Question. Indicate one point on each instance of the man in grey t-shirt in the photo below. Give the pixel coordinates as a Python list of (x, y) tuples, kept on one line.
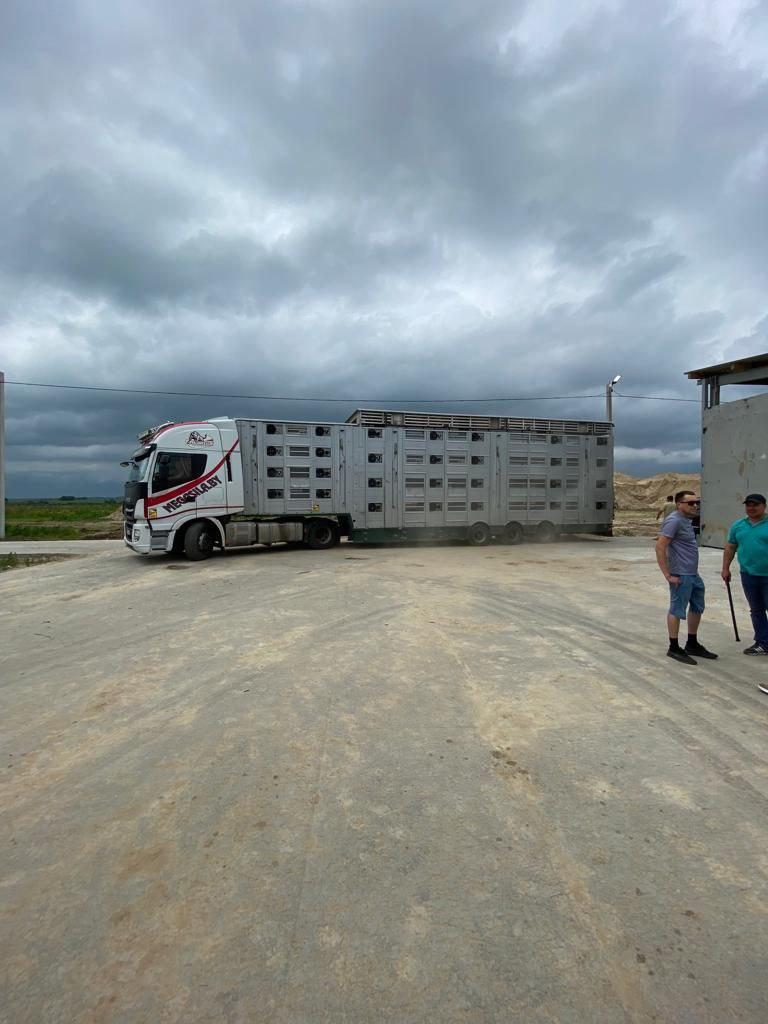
[(678, 556)]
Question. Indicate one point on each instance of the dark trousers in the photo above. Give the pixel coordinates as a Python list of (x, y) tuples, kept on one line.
[(756, 592)]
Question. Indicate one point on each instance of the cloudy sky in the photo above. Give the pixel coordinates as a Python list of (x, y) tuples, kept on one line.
[(373, 199)]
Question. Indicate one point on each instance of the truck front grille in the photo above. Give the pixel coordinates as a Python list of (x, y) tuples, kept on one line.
[(128, 521)]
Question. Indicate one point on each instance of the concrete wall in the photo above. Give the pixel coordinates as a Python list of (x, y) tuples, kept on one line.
[(734, 455)]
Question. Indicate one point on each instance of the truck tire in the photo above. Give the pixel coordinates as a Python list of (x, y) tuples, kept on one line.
[(479, 534), (198, 542), (546, 532), (513, 533), (321, 535)]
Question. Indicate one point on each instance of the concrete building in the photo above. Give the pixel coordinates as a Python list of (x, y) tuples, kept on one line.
[(734, 443)]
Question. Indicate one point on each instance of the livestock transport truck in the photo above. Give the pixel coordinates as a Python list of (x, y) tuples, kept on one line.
[(380, 476)]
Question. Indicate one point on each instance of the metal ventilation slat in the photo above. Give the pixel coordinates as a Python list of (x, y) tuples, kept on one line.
[(473, 421)]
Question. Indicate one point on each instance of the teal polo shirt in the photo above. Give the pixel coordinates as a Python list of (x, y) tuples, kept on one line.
[(752, 545)]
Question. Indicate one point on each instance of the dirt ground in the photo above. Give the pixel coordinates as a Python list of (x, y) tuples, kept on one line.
[(24, 561), (635, 523), (373, 785)]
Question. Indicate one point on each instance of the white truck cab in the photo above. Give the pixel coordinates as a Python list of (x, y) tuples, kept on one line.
[(185, 494), (183, 473)]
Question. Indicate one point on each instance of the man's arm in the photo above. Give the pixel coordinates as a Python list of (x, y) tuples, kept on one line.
[(728, 552), (661, 557)]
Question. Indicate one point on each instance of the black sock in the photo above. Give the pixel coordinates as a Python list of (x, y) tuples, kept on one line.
[(692, 641), (673, 644)]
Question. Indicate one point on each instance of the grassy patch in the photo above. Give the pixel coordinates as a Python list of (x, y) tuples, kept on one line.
[(28, 512), (62, 520), (23, 531)]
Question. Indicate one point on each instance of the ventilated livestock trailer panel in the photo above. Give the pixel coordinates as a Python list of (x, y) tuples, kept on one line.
[(395, 473)]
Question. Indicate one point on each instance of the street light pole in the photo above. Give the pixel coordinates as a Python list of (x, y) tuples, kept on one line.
[(609, 397)]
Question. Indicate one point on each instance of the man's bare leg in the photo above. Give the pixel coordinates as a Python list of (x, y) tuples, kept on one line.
[(694, 618)]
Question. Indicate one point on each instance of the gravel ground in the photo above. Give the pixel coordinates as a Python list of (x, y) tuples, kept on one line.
[(377, 785)]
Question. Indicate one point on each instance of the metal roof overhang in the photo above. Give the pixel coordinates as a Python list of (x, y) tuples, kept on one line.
[(749, 370)]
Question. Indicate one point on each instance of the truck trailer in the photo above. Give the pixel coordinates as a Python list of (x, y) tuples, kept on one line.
[(380, 476)]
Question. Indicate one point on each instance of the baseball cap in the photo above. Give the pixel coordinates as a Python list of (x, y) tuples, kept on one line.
[(759, 498)]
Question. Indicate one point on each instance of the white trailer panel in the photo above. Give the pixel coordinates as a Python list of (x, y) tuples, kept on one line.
[(400, 471)]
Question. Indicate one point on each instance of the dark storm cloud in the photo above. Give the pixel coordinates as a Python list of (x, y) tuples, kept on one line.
[(389, 199)]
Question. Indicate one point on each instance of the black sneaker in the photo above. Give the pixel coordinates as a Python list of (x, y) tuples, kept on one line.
[(699, 651), (679, 655), (756, 649), (763, 687)]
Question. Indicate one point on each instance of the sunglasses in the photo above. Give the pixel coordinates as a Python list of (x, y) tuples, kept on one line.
[(754, 504), (697, 503)]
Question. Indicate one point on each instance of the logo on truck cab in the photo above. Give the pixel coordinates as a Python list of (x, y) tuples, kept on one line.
[(198, 440)]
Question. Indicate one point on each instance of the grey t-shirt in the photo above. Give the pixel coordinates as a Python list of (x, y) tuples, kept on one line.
[(683, 551)]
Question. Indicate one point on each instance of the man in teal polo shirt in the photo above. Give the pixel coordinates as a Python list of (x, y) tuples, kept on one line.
[(749, 537)]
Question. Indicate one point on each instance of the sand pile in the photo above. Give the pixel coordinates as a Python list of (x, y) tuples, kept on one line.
[(633, 493)]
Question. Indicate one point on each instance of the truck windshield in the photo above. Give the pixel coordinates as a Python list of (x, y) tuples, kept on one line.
[(139, 470)]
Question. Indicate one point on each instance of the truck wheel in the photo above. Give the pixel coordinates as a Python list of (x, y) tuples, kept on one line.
[(479, 534), (546, 532), (198, 542), (513, 533), (321, 535)]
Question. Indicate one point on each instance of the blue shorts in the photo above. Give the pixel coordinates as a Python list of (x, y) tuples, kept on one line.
[(689, 591)]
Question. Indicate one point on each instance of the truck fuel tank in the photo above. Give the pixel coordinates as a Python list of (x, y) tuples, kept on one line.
[(242, 534)]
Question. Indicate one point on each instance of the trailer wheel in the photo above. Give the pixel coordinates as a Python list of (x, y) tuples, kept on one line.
[(198, 542), (513, 533), (546, 532), (321, 535), (479, 534)]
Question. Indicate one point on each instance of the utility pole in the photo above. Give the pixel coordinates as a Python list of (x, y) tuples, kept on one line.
[(2, 455)]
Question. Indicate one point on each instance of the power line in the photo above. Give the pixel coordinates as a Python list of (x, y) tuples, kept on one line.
[(300, 398), (657, 398), (345, 401)]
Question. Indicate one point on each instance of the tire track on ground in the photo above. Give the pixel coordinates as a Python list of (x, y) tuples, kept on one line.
[(750, 758), (641, 688), (595, 918)]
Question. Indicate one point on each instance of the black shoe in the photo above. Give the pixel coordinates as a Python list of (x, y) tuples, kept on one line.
[(763, 687), (756, 649), (680, 655), (699, 651)]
